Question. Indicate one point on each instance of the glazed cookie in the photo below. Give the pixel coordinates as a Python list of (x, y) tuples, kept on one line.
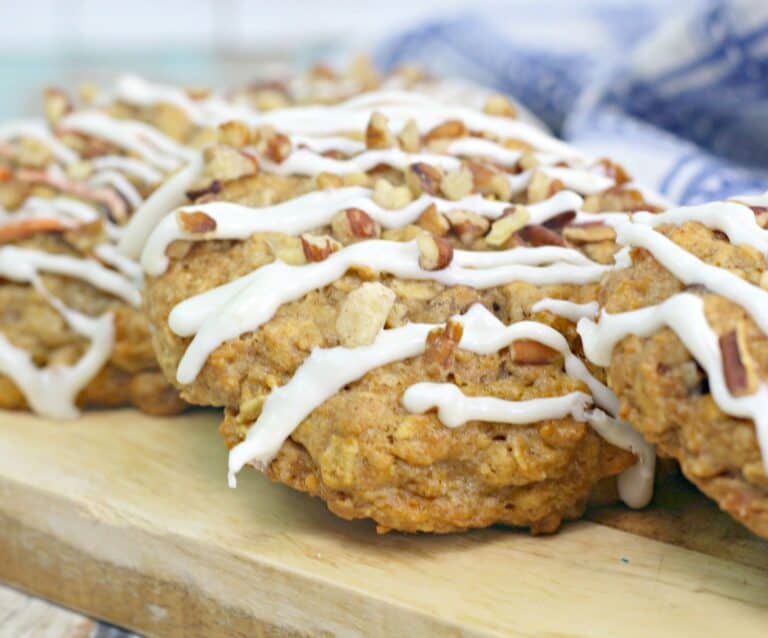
[(683, 332), (384, 303)]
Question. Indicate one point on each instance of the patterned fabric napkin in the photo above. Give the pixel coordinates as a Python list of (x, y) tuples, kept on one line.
[(677, 92)]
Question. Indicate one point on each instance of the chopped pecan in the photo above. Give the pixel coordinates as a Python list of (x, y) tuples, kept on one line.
[(353, 224), (450, 129), (739, 368), (489, 180), (435, 253), (196, 222), (214, 188), (537, 235), (389, 196), (318, 247), (457, 184), (363, 314), (613, 170), (589, 233), (467, 225), (560, 221), (433, 221), (423, 178), (529, 352), (441, 346), (513, 219), (377, 133), (500, 106), (278, 147), (542, 187), (410, 138), (235, 133)]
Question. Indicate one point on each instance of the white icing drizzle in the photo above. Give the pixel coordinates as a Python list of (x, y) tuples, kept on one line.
[(692, 270), (752, 200), (567, 309), (63, 208), (52, 391), (326, 371), (118, 182), (684, 314), (109, 254), (23, 264), (136, 137), (580, 180), (38, 130), (454, 409), (130, 165), (313, 210), (737, 221), (248, 302), (147, 216)]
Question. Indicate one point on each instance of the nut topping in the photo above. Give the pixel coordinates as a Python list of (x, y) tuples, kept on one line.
[(196, 222), (435, 253), (529, 352), (318, 247), (278, 148), (389, 196), (514, 218), (235, 133), (449, 129), (441, 346), (467, 225), (589, 233), (423, 178), (537, 235), (739, 368), (433, 221), (353, 224), (377, 133), (458, 183), (363, 314), (410, 138)]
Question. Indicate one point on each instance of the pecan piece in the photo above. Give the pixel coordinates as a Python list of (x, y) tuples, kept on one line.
[(589, 233), (739, 368), (410, 138), (467, 225), (435, 253), (441, 346), (214, 188), (529, 352), (278, 148), (318, 247), (353, 224), (458, 183), (449, 129), (560, 221), (377, 133), (513, 219), (423, 178), (500, 106), (433, 221), (537, 235), (196, 222)]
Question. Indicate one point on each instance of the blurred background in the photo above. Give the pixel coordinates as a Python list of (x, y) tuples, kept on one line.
[(218, 42), (677, 91)]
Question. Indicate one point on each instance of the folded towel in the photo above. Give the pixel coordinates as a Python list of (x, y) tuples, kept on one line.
[(677, 92)]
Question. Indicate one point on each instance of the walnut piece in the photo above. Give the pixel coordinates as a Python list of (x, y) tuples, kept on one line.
[(363, 314), (529, 352), (435, 253), (537, 235)]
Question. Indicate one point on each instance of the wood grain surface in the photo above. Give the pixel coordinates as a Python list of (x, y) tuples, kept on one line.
[(128, 518)]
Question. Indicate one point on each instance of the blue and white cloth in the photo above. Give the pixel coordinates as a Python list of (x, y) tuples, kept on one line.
[(675, 91)]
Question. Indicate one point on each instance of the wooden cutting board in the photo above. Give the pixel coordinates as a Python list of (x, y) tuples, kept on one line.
[(128, 518)]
